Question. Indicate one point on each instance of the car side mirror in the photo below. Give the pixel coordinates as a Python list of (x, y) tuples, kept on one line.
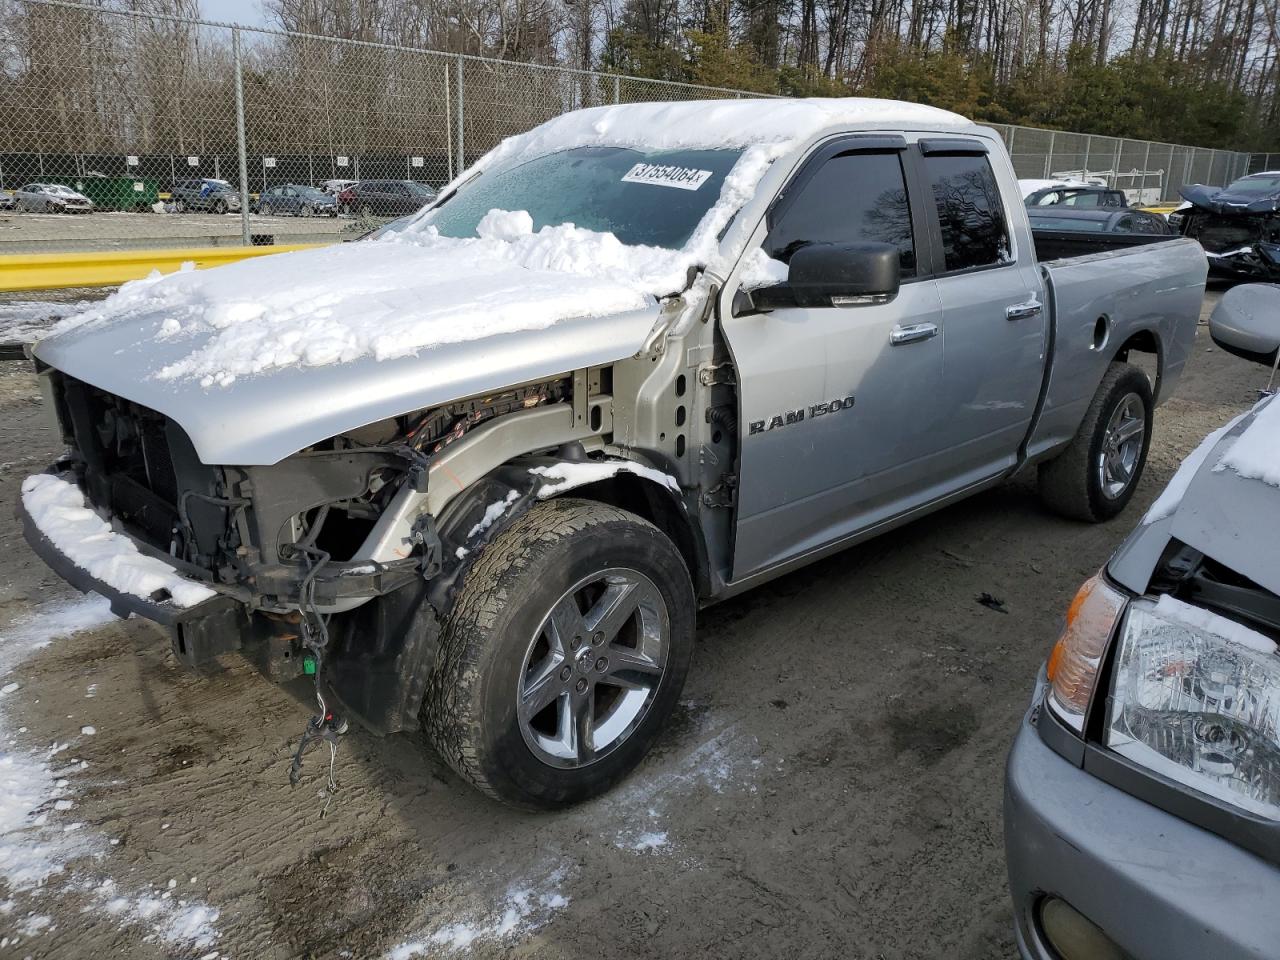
[(830, 275), (844, 274), (1246, 322)]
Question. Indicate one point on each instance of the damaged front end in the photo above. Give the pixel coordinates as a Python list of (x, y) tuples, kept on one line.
[(325, 561), (1240, 233)]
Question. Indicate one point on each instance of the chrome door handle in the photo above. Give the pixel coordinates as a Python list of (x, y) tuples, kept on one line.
[(1024, 311), (912, 333)]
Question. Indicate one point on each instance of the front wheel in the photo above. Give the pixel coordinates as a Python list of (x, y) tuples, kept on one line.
[(1095, 477), (564, 656), (219, 207)]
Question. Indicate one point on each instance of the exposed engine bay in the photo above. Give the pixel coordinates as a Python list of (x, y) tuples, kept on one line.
[(291, 542), (1240, 233)]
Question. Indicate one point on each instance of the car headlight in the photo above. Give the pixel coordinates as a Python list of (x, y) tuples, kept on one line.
[(1196, 698), (1073, 665)]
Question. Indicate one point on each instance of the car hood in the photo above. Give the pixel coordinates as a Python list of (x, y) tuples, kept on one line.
[(1218, 200), (259, 359), (1224, 501)]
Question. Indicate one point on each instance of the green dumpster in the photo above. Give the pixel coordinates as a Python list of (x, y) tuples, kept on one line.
[(114, 193)]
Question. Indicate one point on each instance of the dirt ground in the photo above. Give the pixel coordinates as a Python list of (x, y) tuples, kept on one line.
[(831, 786)]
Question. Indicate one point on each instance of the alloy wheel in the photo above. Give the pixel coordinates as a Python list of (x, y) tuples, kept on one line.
[(593, 668), (1122, 443)]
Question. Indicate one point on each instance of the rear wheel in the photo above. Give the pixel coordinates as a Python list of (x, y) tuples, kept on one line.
[(366, 212), (305, 211), (1095, 477), (564, 656), (179, 206), (264, 209), (219, 206)]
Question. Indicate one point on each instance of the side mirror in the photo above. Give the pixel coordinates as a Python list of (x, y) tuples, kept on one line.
[(1246, 322), (844, 274)]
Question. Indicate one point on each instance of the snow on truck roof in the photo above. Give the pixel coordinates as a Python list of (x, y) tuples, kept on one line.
[(706, 124)]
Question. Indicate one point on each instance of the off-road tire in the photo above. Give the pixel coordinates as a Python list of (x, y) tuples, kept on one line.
[(1069, 483), (469, 710)]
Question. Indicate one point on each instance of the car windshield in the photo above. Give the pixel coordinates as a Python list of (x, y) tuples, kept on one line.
[(418, 190), (1258, 185), (656, 198)]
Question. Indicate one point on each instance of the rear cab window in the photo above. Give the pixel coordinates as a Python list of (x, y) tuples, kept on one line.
[(971, 218)]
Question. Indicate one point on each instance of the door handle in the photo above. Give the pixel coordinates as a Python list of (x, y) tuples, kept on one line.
[(1024, 311), (912, 333)]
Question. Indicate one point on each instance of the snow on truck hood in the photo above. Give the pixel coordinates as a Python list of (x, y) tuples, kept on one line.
[(260, 358)]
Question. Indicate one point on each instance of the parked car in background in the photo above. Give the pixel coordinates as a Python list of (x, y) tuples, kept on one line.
[(213, 196), (1142, 796), (335, 187), (384, 198), (1098, 220), (51, 198), (1238, 225), (298, 200), (7, 202), (1077, 195)]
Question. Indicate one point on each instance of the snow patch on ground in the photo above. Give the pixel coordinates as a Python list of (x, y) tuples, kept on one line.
[(721, 763), (58, 509), (36, 844), (567, 476), (1255, 455), (24, 321), (1172, 495), (524, 908)]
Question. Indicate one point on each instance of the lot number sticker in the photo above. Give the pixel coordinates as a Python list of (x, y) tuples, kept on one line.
[(661, 175)]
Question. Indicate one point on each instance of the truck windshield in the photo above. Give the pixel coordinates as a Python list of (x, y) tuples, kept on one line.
[(655, 198)]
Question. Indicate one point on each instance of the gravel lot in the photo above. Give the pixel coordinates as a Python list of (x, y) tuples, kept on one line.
[(57, 232), (831, 787)]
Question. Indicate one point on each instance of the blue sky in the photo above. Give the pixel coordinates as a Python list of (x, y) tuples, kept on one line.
[(248, 12)]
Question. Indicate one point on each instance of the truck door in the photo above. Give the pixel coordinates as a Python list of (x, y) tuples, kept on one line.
[(992, 308), (838, 403)]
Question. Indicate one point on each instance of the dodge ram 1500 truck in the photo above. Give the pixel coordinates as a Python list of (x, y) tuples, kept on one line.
[(480, 473)]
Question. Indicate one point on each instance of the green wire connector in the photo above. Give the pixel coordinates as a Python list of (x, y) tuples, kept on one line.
[(309, 665)]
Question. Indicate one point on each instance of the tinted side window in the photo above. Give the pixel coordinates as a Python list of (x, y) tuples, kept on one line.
[(857, 196), (974, 233)]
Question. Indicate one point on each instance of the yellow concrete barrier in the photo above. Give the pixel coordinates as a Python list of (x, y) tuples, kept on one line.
[(49, 271)]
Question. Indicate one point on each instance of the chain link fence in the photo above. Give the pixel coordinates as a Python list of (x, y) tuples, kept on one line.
[(186, 132)]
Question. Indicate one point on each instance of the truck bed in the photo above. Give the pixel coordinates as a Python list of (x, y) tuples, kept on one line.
[(1150, 291), (1065, 244)]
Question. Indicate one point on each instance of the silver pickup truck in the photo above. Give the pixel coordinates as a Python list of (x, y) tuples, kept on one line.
[(479, 474)]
